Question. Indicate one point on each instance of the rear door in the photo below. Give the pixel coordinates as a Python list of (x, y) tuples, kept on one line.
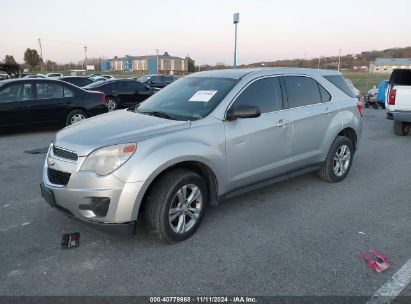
[(15, 101), (141, 92), (52, 102), (124, 92), (258, 148), (312, 111)]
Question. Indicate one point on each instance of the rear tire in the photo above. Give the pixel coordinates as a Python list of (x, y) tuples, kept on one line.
[(339, 160), (375, 105), (111, 103), (175, 205), (401, 128), (75, 116)]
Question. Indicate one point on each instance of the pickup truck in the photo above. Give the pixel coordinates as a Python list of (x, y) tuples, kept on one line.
[(398, 101)]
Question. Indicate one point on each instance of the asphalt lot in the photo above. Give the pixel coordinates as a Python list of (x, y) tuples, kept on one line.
[(298, 237)]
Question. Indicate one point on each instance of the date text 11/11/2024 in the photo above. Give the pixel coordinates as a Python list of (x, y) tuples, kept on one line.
[(203, 299)]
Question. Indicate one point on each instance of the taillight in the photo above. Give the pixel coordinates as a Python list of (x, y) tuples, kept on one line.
[(103, 98), (360, 108), (391, 98)]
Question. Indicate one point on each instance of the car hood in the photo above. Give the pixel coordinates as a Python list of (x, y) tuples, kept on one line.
[(114, 128)]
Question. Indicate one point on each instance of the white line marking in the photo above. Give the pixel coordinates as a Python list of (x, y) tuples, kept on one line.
[(390, 290), (25, 224), (6, 205)]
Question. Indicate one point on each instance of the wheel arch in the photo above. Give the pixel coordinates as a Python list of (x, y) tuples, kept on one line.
[(197, 166), (351, 135)]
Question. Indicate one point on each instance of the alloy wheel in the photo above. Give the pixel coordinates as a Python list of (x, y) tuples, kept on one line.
[(76, 118), (342, 160), (185, 208)]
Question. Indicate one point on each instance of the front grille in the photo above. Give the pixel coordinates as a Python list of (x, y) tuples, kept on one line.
[(58, 177), (65, 153)]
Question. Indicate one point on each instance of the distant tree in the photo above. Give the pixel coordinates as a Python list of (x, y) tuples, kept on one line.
[(32, 58), (9, 59), (190, 65)]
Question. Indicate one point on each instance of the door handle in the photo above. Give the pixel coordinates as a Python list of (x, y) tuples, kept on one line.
[(282, 123), (327, 111)]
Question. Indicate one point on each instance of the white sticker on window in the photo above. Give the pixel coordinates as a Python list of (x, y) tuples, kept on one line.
[(203, 95)]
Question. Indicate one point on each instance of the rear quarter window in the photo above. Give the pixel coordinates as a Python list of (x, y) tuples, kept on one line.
[(340, 83)]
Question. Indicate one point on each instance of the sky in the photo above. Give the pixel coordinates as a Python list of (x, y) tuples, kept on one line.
[(268, 29)]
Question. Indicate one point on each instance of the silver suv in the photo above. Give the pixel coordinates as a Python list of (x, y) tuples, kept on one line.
[(206, 137)]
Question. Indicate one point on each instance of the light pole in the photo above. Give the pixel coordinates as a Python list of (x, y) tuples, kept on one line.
[(236, 20), (85, 55), (339, 60)]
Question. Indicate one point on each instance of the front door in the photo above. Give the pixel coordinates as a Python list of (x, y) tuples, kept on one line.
[(258, 148), (15, 102)]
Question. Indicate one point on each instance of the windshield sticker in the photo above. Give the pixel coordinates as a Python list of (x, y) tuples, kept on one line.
[(203, 96)]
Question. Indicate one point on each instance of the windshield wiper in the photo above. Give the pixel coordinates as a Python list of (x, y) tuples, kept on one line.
[(158, 114)]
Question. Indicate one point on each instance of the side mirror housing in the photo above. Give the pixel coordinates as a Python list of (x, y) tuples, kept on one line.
[(242, 112)]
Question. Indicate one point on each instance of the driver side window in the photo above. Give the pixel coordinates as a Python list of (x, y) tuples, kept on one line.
[(263, 93)]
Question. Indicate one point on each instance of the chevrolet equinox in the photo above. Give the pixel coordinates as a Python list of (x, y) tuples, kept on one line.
[(203, 138)]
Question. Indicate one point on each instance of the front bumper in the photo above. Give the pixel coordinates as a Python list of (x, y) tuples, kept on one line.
[(399, 116), (104, 202), (112, 229)]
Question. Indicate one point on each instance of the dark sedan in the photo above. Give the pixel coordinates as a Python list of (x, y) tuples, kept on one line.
[(156, 80), (122, 93), (77, 80), (28, 102)]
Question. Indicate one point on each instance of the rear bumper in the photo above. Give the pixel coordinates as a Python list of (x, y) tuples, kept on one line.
[(399, 116)]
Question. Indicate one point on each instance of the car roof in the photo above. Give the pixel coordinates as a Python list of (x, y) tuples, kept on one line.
[(240, 73), (73, 77), (31, 79)]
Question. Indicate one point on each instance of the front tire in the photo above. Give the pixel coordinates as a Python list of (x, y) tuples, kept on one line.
[(401, 128), (75, 116), (175, 205), (338, 161)]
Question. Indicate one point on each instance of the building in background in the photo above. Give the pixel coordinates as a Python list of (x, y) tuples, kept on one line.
[(387, 65), (150, 64)]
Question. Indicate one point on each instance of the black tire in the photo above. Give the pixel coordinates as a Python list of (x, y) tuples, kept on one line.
[(401, 128), (375, 105), (383, 106), (326, 172), (367, 105), (161, 199), (70, 116), (112, 103)]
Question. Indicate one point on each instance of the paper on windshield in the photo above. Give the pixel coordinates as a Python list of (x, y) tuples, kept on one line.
[(203, 95)]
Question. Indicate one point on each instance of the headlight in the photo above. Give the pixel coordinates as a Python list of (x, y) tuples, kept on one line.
[(105, 160)]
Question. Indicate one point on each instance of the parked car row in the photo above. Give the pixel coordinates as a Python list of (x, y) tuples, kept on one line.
[(122, 93), (29, 102)]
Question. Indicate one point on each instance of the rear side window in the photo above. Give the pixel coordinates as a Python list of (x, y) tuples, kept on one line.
[(340, 83), (325, 95), (264, 93), (302, 91), (68, 92), (49, 90), (401, 77)]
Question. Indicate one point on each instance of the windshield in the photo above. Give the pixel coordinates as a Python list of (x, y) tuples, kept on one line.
[(144, 78), (189, 98)]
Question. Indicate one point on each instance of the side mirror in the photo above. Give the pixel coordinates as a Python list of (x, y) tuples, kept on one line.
[(242, 112)]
